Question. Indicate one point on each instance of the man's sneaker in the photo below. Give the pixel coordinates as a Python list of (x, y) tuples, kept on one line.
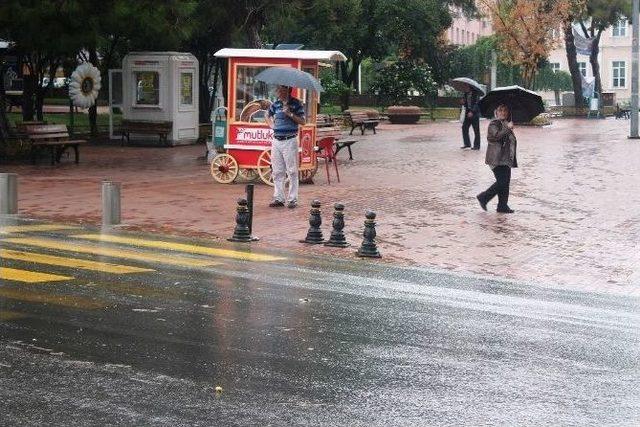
[(292, 204), (276, 204)]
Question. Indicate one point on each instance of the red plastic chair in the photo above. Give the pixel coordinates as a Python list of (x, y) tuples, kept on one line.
[(327, 152)]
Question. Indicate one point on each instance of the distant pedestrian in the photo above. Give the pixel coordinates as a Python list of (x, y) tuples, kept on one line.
[(501, 157), (284, 116), (472, 118)]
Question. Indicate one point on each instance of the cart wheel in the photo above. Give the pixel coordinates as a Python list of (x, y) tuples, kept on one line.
[(264, 167), (249, 174), (306, 176), (224, 168)]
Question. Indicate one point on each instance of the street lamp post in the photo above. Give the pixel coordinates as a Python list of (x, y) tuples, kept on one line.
[(634, 70)]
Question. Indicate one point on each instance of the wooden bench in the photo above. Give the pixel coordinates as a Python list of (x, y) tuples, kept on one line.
[(55, 138), (360, 119), (162, 129), (622, 113), (336, 133)]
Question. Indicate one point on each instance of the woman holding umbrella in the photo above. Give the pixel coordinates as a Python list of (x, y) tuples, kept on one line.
[(508, 104), (501, 157)]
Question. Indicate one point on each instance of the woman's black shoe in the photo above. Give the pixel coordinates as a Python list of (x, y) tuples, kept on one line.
[(482, 201), (505, 210)]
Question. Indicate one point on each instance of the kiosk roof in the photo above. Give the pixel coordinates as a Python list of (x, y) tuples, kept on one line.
[(324, 55)]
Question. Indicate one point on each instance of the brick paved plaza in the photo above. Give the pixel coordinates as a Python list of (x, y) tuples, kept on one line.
[(576, 196)]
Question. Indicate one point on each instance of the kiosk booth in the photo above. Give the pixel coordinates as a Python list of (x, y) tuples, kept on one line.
[(248, 137), (160, 91)]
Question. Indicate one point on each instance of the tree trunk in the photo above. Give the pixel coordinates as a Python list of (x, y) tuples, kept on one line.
[(348, 76), (93, 110), (595, 66), (205, 74), (216, 79), (4, 121), (576, 76), (40, 92), (557, 95), (29, 85)]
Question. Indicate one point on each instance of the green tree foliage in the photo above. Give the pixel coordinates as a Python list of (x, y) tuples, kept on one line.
[(369, 29), (554, 80), (402, 78), (474, 61), (48, 34)]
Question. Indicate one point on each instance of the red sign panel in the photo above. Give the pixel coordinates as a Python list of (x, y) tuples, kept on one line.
[(250, 135), (306, 145)]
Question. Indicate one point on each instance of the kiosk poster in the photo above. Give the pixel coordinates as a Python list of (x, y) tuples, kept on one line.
[(186, 88), (147, 88)]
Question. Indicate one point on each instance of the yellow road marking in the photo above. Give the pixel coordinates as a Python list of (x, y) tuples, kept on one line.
[(104, 267), (34, 227), (11, 315), (29, 276), (180, 247), (110, 252), (45, 298)]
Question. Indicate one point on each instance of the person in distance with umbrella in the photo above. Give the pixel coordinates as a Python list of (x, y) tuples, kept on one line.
[(471, 118), (501, 157), (284, 117)]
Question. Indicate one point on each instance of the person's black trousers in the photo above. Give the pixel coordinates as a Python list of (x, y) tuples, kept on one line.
[(475, 122), (500, 187)]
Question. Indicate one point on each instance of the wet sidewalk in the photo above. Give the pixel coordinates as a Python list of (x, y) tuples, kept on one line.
[(576, 196)]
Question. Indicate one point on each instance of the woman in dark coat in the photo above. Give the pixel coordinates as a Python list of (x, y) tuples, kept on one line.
[(501, 157)]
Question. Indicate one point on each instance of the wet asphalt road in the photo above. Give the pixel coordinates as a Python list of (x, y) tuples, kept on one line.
[(300, 341)]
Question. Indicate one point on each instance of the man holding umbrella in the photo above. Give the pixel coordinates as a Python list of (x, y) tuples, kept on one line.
[(284, 117), (472, 92)]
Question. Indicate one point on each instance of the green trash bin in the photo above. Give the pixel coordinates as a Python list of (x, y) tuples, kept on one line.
[(219, 128)]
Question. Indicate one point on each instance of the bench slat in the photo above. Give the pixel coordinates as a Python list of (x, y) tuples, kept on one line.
[(49, 136)]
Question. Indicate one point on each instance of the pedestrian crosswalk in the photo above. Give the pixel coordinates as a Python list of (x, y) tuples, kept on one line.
[(7, 229), (29, 276), (180, 247), (47, 243), (70, 262), (28, 253)]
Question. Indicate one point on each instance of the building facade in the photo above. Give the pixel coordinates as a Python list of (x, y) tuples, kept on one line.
[(614, 59), (465, 31)]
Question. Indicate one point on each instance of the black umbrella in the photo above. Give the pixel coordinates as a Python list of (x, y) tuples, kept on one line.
[(523, 104), (465, 84)]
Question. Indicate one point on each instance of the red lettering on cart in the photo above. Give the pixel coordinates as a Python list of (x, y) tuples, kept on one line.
[(252, 136)]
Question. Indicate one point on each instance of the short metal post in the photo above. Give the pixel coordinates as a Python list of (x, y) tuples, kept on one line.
[(8, 193), (111, 214), (249, 190)]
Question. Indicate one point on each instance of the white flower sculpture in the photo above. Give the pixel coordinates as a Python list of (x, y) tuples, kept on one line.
[(84, 85)]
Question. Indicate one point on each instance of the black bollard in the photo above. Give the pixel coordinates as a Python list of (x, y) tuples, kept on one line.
[(249, 190), (337, 239), (369, 249), (241, 232), (314, 235)]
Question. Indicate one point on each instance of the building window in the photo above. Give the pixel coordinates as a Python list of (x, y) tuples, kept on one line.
[(555, 66), (620, 28), (619, 74), (457, 35), (582, 66)]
